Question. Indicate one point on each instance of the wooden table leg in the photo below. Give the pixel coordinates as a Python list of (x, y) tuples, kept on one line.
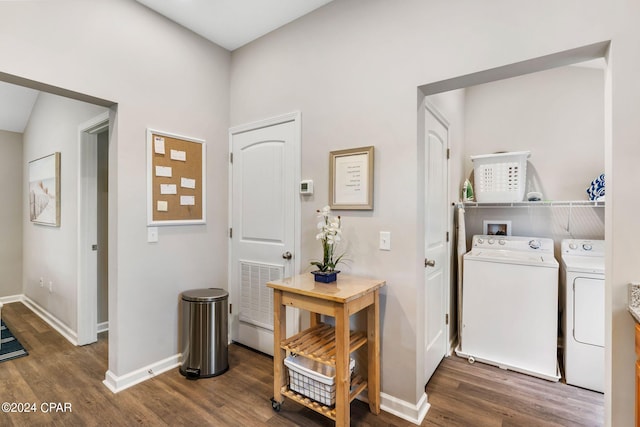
[(314, 319), (279, 333), (373, 349), (343, 377)]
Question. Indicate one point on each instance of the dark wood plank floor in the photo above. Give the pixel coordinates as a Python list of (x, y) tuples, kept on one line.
[(461, 394), (56, 371)]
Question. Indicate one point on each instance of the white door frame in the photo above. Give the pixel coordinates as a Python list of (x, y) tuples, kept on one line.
[(294, 117), (87, 296)]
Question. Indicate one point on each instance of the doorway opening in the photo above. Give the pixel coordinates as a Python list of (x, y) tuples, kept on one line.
[(436, 92), (93, 228)]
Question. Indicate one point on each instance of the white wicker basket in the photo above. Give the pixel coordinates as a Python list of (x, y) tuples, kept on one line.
[(313, 379), (500, 177)]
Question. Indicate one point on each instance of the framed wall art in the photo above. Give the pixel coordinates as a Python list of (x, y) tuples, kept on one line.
[(351, 179), (494, 227), (176, 179), (44, 190)]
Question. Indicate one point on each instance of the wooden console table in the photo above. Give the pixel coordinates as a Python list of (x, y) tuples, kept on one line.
[(341, 299)]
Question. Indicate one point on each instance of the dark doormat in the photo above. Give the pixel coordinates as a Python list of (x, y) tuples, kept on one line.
[(10, 347)]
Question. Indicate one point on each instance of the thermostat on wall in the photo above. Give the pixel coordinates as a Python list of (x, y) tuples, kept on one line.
[(306, 186)]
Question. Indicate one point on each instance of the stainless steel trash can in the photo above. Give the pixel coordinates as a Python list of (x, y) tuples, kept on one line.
[(204, 333)]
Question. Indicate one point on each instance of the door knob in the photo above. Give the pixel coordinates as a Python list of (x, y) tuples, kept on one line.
[(287, 255), (429, 262)]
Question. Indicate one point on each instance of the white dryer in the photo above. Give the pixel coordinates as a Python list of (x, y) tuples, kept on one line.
[(510, 304), (582, 294)]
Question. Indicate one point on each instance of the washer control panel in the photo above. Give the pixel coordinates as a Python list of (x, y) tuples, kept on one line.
[(514, 243)]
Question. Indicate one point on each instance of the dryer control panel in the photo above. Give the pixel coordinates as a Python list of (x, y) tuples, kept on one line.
[(580, 247)]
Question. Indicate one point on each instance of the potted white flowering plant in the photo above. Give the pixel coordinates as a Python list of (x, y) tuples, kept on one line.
[(329, 235)]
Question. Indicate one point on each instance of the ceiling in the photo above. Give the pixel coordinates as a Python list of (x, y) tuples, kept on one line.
[(228, 23), (16, 103), (233, 23)]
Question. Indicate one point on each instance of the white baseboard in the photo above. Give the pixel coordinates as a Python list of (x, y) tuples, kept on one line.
[(117, 383), (11, 298), (50, 319), (401, 408), (405, 410), (112, 382), (103, 327)]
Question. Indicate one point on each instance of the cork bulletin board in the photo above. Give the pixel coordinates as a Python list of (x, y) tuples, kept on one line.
[(176, 180)]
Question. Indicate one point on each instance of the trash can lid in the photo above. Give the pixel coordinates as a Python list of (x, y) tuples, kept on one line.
[(205, 295)]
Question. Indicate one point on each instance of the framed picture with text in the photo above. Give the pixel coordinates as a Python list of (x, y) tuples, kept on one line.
[(351, 179)]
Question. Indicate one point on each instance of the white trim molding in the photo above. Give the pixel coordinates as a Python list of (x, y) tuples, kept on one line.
[(87, 172), (11, 298), (103, 327), (405, 410), (51, 320), (117, 383)]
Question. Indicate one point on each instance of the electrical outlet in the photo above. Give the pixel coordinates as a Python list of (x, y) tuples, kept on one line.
[(42, 282), (50, 286)]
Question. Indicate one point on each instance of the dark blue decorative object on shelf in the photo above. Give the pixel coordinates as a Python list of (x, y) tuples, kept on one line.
[(596, 189), (325, 276)]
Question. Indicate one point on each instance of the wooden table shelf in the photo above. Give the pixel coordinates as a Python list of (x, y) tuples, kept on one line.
[(328, 344), (319, 343), (358, 384)]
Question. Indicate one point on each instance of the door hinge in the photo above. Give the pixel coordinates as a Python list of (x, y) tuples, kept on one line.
[(448, 153), (446, 319), (230, 308), (230, 157), (447, 236), (230, 232)]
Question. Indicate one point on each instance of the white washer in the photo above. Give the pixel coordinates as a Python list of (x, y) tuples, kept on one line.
[(510, 304), (582, 291)]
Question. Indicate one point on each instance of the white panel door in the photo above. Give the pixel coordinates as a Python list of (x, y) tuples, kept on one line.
[(436, 184), (263, 209)]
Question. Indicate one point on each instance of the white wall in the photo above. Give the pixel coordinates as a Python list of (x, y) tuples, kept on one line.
[(51, 252), (11, 214), (159, 75), (557, 115), (352, 68)]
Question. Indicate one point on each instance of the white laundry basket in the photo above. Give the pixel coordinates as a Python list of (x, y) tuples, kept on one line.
[(313, 379), (500, 177)]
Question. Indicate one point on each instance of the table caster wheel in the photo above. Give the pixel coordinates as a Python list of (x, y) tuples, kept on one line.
[(471, 360), (276, 406)]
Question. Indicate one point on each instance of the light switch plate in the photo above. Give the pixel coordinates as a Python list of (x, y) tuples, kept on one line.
[(385, 240), (152, 234)]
